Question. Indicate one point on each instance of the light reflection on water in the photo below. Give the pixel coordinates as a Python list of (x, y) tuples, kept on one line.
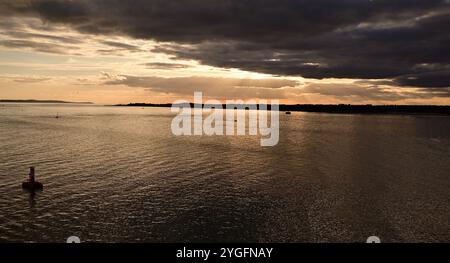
[(118, 174)]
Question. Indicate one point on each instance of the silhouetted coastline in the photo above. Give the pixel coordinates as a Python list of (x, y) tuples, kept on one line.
[(340, 108), (43, 101)]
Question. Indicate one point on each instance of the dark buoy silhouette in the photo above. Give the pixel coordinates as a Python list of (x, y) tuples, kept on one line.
[(288, 112), (32, 184)]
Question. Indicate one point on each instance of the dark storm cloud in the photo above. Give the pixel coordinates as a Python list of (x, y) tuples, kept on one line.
[(362, 39), (429, 79)]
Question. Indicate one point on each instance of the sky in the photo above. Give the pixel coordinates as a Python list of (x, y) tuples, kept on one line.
[(158, 51)]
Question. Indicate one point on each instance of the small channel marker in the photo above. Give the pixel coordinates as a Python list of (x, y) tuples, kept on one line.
[(32, 184)]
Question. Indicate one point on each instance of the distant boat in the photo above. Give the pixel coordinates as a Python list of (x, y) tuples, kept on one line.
[(288, 112)]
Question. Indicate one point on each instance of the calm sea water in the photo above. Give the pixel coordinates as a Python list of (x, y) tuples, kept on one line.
[(118, 175)]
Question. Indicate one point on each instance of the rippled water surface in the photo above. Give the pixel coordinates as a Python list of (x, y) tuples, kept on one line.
[(118, 174)]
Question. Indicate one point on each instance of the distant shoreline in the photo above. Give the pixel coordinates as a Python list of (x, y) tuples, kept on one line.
[(340, 108), (43, 101)]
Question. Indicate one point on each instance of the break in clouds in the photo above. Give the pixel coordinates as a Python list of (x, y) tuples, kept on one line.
[(389, 42)]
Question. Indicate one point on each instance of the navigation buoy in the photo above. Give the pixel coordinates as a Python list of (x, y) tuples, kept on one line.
[(288, 112), (32, 184)]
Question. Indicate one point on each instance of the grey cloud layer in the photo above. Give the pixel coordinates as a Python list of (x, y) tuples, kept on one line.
[(199, 82), (406, 41), (162, 65), (371, 92), (226, 87), (38, 46), (269, 88)]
